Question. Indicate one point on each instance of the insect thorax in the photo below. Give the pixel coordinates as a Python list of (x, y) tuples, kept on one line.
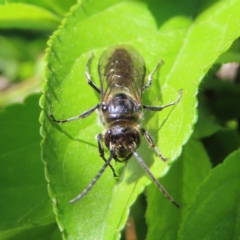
[(121, 108)]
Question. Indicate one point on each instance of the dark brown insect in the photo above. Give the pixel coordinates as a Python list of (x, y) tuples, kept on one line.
[(122, 71)]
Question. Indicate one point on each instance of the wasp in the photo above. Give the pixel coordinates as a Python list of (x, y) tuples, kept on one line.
[(122, 71)]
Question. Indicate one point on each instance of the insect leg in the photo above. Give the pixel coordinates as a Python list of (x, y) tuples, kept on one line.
[(83, 115), (94, 180), (149, 82), (145, 167), (88, 76), (152, 145), (101, 152), (159, 108)]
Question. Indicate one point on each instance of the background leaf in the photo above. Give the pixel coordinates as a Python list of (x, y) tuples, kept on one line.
[(59, 7), (182, 182), (25, 205), (25, 16), (214, 213)]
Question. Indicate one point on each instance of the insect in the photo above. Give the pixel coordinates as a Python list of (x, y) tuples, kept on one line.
[(121, 72)]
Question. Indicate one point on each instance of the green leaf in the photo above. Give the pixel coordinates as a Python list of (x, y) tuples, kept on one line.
[(214, 213), (25, 16), (70, 151), (59, 7), (182, 182), (25, 204), (232, 55), (206, 125), (237, 225)]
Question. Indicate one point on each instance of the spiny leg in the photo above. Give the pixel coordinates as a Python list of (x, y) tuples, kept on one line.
[(160, 108), (94, 180), (145, 167), (88, 76), (149, 82), (101, 152), (151, 144), (83, 115)]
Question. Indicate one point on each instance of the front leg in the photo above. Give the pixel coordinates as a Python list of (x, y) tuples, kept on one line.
[(101, 152)]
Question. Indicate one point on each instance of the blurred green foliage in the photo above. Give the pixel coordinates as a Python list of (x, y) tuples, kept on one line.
[(194, 39)]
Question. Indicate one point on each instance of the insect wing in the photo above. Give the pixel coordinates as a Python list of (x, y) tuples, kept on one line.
[(121, 69)]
